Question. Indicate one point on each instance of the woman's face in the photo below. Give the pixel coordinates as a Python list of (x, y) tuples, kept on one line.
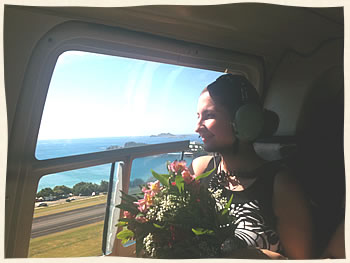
[(214, 125)]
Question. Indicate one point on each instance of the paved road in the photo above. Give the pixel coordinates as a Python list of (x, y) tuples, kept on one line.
[(45, 225)]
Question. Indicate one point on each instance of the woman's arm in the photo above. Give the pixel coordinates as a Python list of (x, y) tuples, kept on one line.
[(336, 246), (200, 164), (294, 222)]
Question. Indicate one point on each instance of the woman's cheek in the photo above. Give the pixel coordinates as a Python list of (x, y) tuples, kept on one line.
[(210, 123)]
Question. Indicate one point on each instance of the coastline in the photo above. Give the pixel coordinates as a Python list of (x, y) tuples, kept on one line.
[(141, 167)]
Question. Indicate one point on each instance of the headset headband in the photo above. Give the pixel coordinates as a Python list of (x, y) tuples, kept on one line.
[(233, 91)]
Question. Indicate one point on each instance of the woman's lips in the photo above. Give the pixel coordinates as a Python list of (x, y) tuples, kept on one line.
[(206, 137)]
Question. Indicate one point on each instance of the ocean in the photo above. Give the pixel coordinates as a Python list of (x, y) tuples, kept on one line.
[(141, 168)]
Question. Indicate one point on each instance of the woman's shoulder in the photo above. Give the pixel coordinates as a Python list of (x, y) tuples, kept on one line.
[(201, 164), (291, 207), (285, 178)]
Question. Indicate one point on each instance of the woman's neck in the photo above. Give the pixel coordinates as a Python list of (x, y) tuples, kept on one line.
[(245, 160)]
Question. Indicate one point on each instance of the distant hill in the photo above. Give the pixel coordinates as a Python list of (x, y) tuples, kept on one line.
[(168, 135)]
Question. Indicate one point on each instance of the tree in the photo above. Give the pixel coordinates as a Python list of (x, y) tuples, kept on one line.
[(103, 187), (45, 192), (84, 188), (137, 182), (62, 190)]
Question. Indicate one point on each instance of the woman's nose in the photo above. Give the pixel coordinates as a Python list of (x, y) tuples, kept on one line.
[(199, 125)]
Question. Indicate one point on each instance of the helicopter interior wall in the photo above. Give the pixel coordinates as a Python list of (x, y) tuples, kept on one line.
[(294, 78), (22, 31)]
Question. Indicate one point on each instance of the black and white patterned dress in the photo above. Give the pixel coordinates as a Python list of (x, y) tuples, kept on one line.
[(252, 208)]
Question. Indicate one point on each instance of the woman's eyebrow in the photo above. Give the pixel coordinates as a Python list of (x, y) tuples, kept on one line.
[(208, 111)]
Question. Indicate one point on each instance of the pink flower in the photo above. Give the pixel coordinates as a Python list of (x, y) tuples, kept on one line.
[(145, 190), (148, 197), (187, 176), (154, 187), (147, 201), (127, 214), (141, 205), (177, 166)]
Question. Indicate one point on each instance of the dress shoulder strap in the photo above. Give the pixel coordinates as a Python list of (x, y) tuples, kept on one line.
[(213, 163)]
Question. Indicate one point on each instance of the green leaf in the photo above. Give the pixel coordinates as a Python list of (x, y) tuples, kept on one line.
[(131, 208), (158, 226), (204, 174), (180, 183), (163, 178), (128, 199), (127, 219), (125, 235), (121, 223), (227, 206), (201, 231), (140, 214), (124, 241)]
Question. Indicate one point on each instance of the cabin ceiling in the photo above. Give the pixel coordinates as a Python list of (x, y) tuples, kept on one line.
[(253, 28)]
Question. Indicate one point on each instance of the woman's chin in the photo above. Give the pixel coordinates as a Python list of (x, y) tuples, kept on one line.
[(208, 147)]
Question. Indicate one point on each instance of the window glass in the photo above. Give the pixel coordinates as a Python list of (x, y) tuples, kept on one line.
[(69, 213), (141, 168), (97, 101)]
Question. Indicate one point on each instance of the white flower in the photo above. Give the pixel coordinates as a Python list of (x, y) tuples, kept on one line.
[(220, 201), (149, 245)]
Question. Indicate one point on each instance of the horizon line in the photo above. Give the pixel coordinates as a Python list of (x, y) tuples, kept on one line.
[(105, 137)]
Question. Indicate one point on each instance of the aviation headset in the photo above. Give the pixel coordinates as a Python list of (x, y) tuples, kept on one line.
[(237, 94)]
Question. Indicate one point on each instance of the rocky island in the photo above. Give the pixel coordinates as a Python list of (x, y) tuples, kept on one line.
[(126, 145), (168, 135)]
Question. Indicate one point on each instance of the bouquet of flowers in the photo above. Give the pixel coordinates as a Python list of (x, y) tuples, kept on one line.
[(176, 217)]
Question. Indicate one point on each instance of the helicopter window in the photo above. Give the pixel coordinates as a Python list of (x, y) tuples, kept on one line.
[(98, 102)]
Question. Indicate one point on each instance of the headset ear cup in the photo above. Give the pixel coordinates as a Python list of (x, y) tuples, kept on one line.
[(248, 122)]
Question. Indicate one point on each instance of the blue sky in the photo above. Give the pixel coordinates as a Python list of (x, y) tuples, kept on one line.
[(92, 95)]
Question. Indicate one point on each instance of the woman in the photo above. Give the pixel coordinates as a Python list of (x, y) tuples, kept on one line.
[(271, 210)]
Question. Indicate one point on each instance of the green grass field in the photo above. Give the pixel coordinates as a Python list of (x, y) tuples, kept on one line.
[(85, 241)]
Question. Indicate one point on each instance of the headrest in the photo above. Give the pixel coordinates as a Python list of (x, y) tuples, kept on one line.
[(271, 122)]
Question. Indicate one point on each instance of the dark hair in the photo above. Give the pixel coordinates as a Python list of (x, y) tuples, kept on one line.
[(232, 91)]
